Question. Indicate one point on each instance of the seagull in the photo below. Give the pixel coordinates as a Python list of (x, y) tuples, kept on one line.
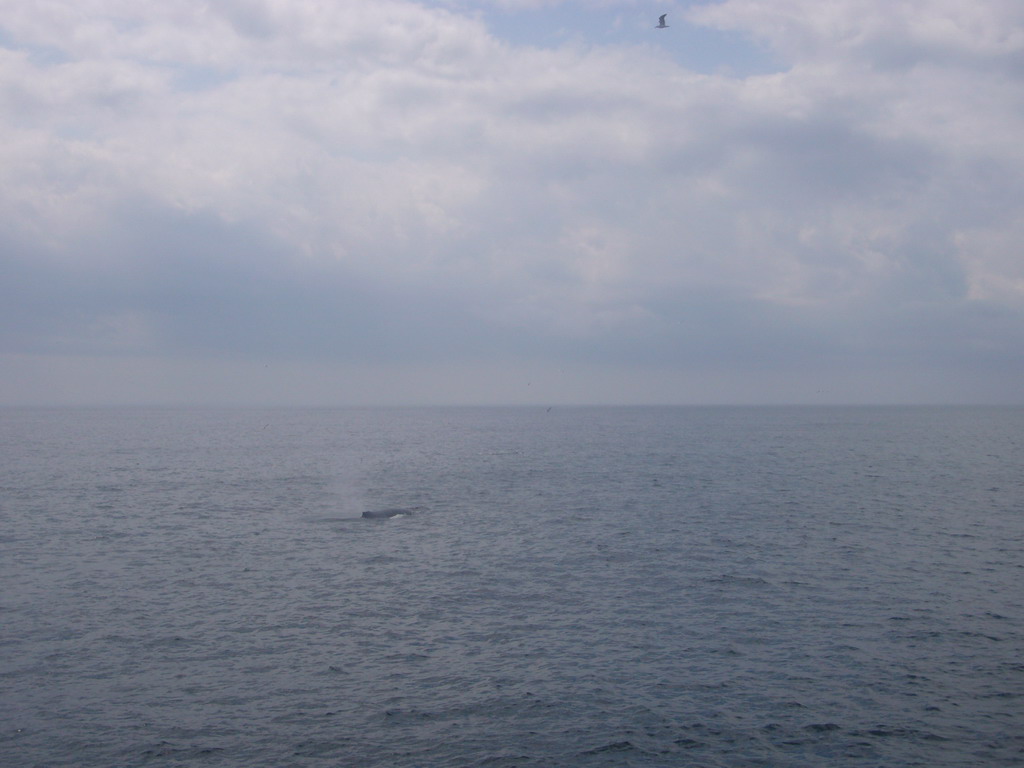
[(661, 22)]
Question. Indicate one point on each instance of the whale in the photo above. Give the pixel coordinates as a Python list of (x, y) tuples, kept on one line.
[(383, 514)]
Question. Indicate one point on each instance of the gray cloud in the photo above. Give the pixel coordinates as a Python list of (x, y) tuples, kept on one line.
[(387, 184)]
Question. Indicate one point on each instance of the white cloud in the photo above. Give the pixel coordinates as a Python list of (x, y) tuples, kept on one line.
[(899, 33), (568, 193)]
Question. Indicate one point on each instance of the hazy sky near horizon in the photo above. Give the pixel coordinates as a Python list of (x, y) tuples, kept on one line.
[(517, 201)]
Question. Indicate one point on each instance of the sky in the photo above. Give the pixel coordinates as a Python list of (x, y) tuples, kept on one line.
[(341, 202)]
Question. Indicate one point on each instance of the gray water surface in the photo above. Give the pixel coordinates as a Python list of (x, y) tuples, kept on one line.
[(578, 587)]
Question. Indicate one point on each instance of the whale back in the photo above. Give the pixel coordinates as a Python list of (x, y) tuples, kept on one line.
[(383, 514)]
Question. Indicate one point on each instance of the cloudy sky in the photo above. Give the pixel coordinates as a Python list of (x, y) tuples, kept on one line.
[(515, 201)]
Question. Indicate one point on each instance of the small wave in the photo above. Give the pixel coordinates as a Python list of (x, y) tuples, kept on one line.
[(615, 746), (745, 581), (821, 727), (886, 732), (167, 750)]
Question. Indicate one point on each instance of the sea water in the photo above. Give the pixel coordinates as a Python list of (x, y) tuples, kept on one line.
[(574, 587)]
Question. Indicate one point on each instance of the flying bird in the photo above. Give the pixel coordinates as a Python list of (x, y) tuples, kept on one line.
[(661, 22)]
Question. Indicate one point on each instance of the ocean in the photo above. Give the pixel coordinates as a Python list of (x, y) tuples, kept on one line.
[(728, 586)]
